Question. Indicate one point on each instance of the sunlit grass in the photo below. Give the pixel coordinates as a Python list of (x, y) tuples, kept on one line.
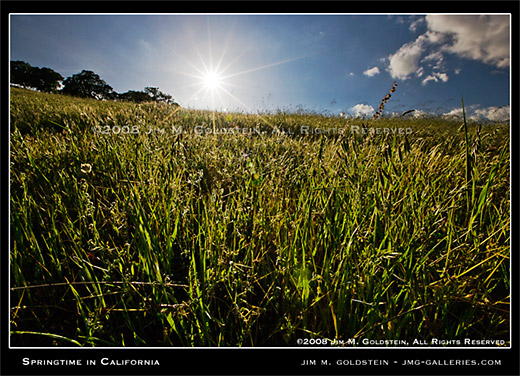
[(170, 239)]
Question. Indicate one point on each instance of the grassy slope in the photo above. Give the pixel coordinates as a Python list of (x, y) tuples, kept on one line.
[(242, 240)]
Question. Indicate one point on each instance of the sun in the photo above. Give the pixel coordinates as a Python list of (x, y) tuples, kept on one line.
[(212, 80), (212, 73)]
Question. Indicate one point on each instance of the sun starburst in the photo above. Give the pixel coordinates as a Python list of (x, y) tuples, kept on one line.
[(212, 80), (217, 80)]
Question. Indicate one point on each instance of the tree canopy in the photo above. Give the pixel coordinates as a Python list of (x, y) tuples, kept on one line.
[(87, 84), (43, 79), (20, 73), (134, 96), (159, 96)]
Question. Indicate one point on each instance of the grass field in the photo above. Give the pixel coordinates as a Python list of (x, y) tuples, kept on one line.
[(248, 239)]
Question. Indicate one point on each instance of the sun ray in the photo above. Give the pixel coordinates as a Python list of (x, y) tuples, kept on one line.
[(192, 75), (209, 45), (195, 84), (219, 97), (246, 106), (205, 68), (177, 54), (226, 46), (238, 57), (195, 94), (268, 66), (249, 47)]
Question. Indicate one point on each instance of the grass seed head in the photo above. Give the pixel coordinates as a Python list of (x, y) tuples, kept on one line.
[(385, 100)]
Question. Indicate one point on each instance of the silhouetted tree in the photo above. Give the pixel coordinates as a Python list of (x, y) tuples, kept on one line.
[(87, 84), (43, 79), (20, 73), (153, 92), (135, 96), (159, 96)]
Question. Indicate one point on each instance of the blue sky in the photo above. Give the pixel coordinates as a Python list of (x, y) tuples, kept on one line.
[(323, 63)]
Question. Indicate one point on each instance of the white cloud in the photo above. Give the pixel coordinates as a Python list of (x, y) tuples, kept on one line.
[(484, 38), (458, 70), (436, 77), (436, 58), (435, 37), (414, 25), (501, 114), (496, 113), (405, 61), (371, 72), (399, 20), (419, 114), (361, 109), (442, 76), (351, 74), (456, 112), (428, 79)]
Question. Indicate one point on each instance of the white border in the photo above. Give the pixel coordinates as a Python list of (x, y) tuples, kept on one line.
[(268, 348)]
